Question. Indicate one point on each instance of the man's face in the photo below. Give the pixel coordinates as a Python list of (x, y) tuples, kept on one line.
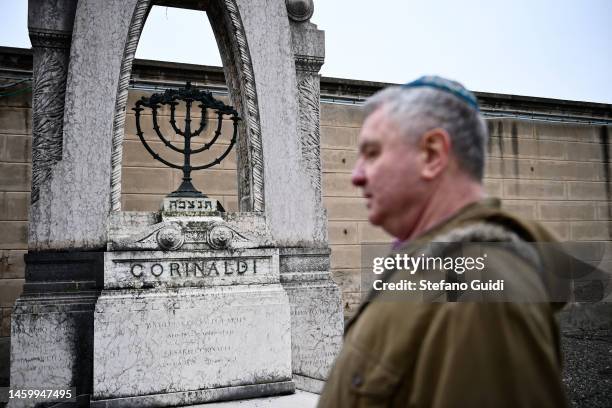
[(388, 171)]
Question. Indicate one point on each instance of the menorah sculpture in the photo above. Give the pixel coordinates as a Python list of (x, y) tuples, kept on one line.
[(186, 197)]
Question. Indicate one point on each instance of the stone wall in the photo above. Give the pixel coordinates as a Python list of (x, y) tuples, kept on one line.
[(550, 164)]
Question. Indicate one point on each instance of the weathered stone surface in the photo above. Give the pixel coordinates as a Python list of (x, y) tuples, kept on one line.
[(194, 308), (72, 210), (138, 231), (244, 393), (316, 328), (291, 201), (51, 343), (53, 16), (300, 399), (316, 314), (190, 339), (300, 10), (155, 269)]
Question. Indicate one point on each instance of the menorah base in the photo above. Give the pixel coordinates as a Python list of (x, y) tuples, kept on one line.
[(194, 205)]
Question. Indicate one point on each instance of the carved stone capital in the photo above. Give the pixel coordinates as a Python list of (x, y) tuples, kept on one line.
[(50, 38), (308, 63)]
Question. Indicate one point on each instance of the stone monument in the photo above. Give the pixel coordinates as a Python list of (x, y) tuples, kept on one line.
[(184, 305)]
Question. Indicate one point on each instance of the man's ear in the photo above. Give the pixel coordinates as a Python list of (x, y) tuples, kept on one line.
[(435, 146)]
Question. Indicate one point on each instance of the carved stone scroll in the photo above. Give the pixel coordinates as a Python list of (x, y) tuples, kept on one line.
[(307, 68), (308, 88), (136, 25), (251, 111), (51, 51)]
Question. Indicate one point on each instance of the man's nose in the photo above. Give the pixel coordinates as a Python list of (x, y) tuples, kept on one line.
[(358, 175)]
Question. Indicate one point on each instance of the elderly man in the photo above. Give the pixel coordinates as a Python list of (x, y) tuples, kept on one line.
[(420, 166)]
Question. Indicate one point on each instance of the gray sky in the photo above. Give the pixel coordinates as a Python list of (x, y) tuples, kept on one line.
[(547, 48)]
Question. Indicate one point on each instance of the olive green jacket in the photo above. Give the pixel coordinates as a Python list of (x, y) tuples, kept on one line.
[(424, 354)]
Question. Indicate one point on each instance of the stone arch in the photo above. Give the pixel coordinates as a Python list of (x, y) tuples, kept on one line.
[(226, 22)]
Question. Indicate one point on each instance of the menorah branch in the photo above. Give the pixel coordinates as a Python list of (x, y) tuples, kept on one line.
[(161, 136)]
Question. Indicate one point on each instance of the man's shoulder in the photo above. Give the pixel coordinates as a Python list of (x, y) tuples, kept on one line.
[(488, 221)]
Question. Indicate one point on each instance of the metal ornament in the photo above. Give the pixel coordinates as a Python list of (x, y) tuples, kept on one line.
[(189, 95)]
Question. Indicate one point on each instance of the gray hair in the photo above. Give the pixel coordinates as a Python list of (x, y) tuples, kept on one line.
[(417, 110)]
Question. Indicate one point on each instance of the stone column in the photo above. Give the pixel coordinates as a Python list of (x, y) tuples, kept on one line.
[(52, 321), (316, 312)]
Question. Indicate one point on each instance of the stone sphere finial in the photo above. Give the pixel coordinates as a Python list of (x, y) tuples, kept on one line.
[(299, 10)]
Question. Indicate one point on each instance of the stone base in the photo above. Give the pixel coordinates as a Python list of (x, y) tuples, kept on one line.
[(191, 342), (176, 399), (300, 399), (308, 384), (317, 322), (316, 329), (51, 343)]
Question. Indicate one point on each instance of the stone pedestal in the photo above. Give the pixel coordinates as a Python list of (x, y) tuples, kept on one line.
[(51, 343), (52, 323), (316, 315), (176, 327)]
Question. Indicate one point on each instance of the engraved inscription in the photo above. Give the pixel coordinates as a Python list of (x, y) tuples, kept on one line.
[(190, 204), (191, 269), (44, 360), (200, 268), (214, 342), (313, 321)]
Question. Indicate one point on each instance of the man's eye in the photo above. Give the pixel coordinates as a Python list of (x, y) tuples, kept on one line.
[(370, 153)]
